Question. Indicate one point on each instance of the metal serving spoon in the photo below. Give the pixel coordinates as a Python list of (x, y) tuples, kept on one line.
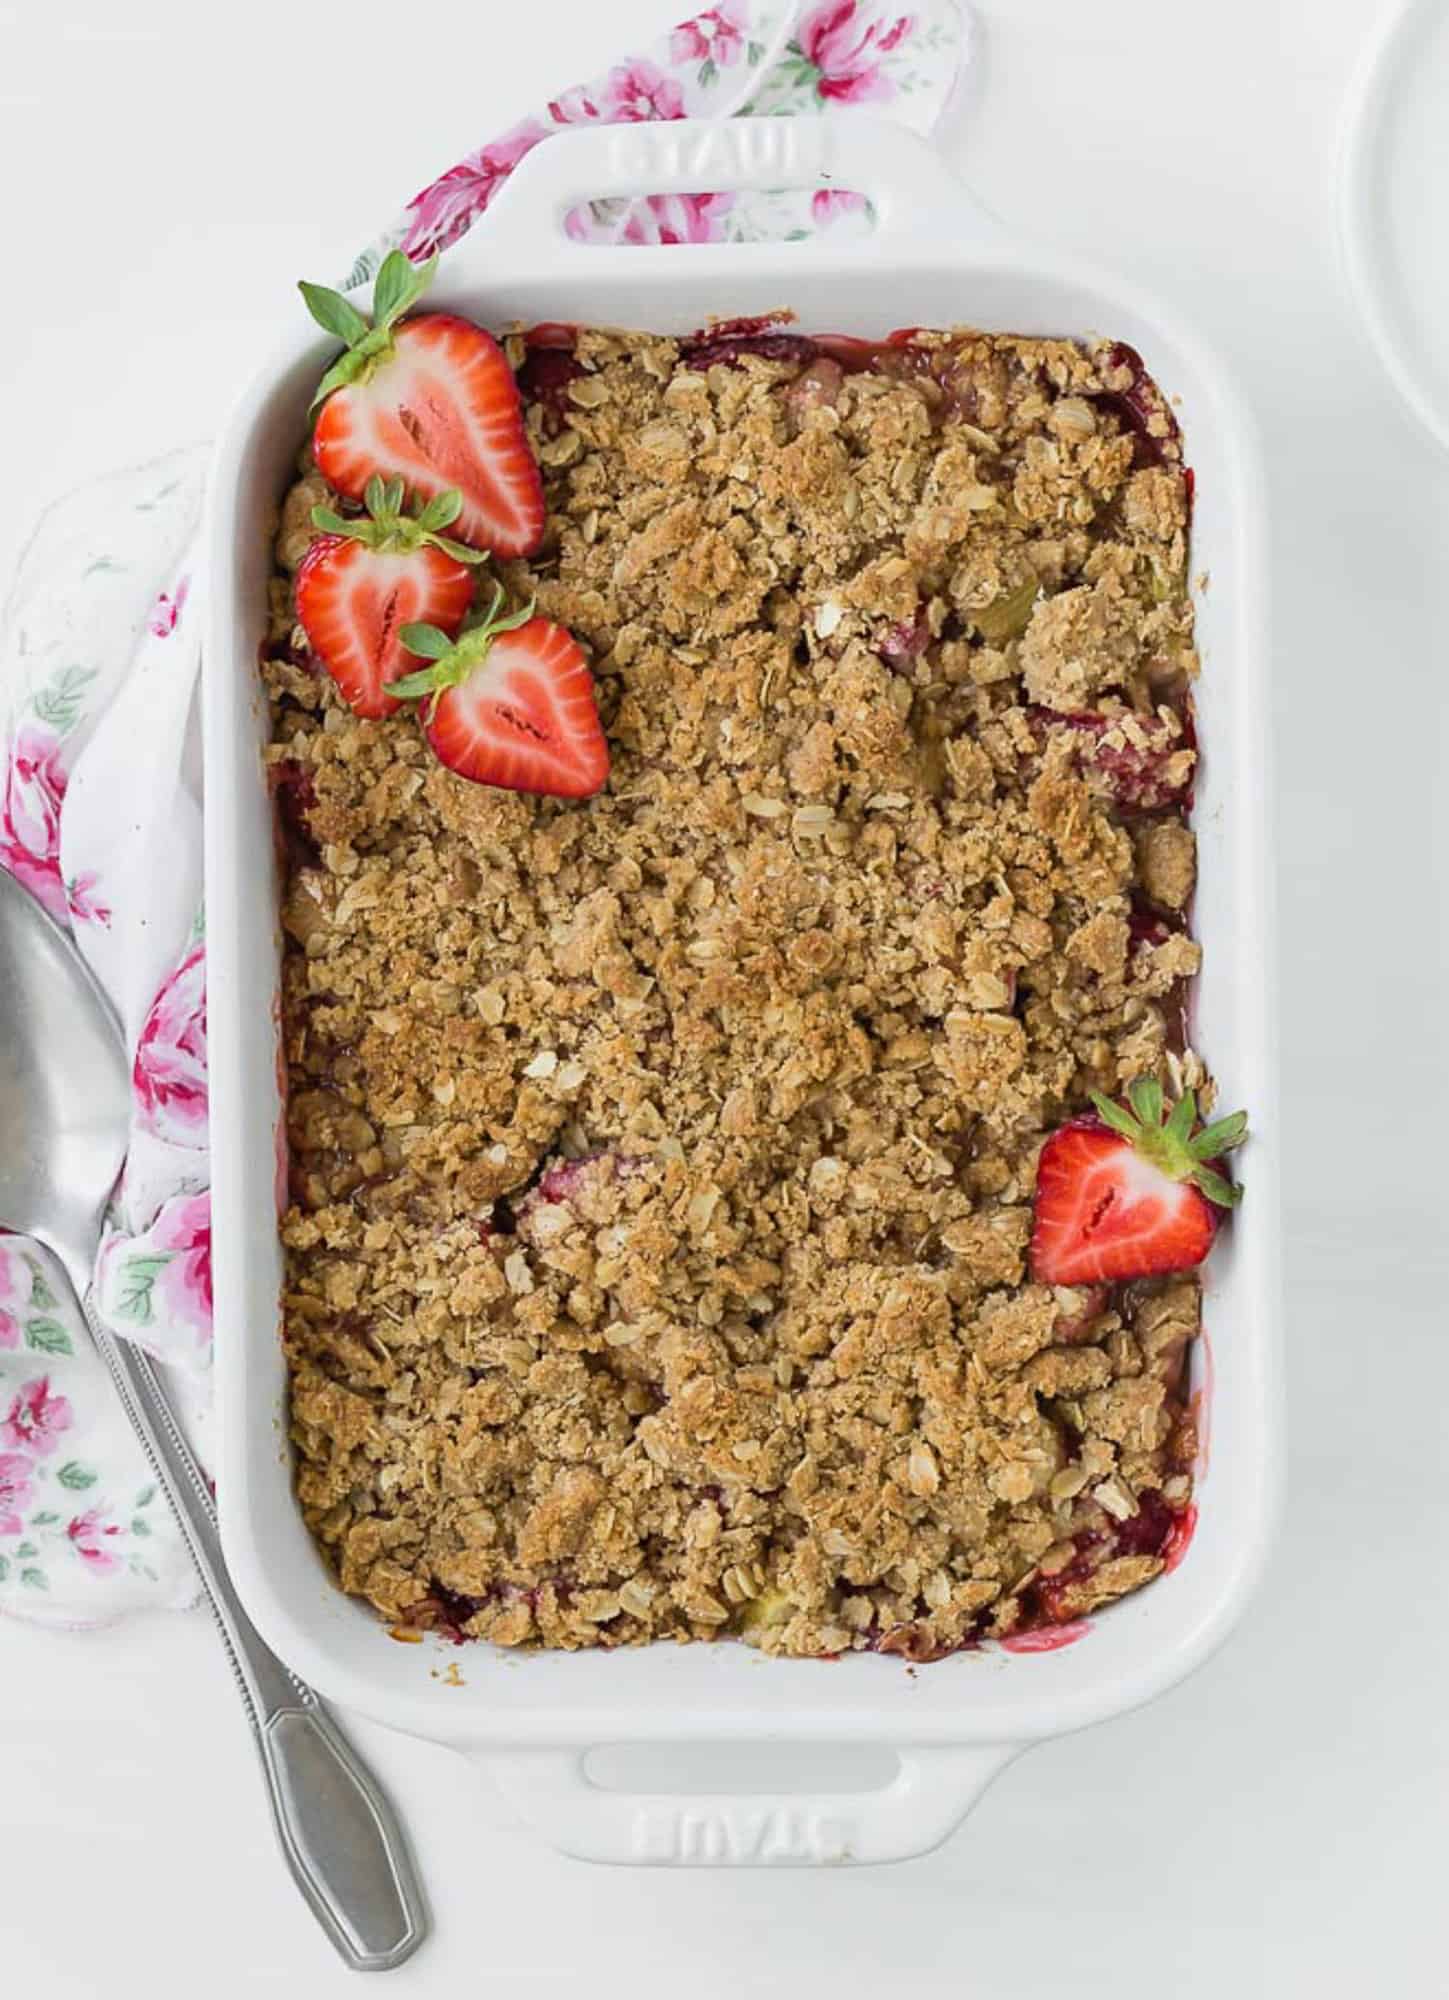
[(64, 1104)]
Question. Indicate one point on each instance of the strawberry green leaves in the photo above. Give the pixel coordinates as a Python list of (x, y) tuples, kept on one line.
[(333, 313), (387, 527), (1166, 1136), (398, 286), (396, 290)]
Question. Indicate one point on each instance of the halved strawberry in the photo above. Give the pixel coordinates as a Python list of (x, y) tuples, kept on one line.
[(1131, 1193), (431, 401), (362, 580), (511, 704)]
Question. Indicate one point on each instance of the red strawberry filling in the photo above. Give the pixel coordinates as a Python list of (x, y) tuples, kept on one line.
[(1151, 424), (566, 1179), (816, 387), (1147, 926), (1146, 1533), (897, 355), (298, 655), (577, 1184), (454, 1609), (1141, 762), (1147, 929), (548, 369), (917, 1643), (1047, 1602), (902, 643), (295, 795), (447, 1612), (1184, 1527), (1152, 1531), (729, 339)]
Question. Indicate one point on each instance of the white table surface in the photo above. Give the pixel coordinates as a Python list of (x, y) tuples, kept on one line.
[(1278, 1825)]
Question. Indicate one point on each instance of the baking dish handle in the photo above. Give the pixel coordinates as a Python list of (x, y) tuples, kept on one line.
[(929, 1796), (910, 187)]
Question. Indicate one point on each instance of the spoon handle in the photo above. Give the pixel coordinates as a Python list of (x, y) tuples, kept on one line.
[(341, 1839)]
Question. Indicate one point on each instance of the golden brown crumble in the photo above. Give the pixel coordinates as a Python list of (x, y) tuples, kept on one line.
[(662, 1163)]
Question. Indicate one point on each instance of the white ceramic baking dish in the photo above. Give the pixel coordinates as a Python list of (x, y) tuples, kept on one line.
[(934, 259)]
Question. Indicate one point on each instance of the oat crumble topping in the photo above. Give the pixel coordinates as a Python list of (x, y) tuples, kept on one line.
[(662, 1163)]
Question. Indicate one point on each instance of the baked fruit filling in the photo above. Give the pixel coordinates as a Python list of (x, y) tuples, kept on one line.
[(665, 1110)]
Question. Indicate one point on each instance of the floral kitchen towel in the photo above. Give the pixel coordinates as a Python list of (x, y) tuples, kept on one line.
[(100, 786), (100, 820)]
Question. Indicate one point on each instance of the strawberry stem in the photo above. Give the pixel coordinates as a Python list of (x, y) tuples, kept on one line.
[(398, 286), (1170, 1143)]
